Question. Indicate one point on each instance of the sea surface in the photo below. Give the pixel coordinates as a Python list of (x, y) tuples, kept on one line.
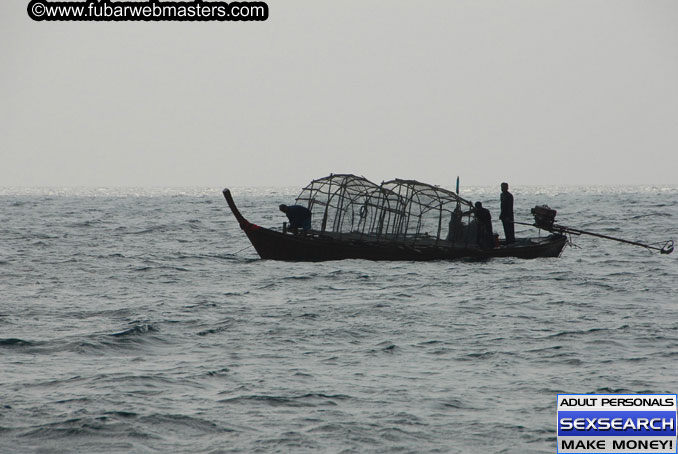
[(140, 321)]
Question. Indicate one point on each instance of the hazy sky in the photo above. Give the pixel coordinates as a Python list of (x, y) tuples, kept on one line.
[(532, 92)]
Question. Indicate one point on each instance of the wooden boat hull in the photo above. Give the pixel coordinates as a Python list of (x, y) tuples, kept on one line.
[(313, 246)]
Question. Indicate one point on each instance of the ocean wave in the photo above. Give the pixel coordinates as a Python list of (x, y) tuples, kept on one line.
[(137, 330), (305, 400), (217, 330), (15, 342)]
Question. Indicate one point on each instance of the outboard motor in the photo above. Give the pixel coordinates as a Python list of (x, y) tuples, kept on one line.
[(544, 216)]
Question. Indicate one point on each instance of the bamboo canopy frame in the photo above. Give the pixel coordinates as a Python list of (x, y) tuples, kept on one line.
[(406, 211)]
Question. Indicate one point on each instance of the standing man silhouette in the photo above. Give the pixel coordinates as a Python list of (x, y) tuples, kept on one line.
[(506, 215)]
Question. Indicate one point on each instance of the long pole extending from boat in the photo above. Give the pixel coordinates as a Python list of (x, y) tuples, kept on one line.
[(666, 248)]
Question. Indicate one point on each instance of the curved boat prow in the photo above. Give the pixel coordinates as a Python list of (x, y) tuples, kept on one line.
[(244, 224)]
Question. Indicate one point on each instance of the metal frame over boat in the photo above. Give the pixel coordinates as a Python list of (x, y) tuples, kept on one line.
[(354, 218)]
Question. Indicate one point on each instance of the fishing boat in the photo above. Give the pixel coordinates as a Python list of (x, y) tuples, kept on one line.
[(354, 218)]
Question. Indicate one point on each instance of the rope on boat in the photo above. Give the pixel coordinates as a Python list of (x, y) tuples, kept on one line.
[(241, 250)]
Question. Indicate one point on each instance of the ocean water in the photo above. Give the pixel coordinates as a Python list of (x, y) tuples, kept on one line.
[(139, 321)]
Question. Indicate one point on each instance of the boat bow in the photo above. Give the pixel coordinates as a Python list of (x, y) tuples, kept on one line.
[(244, 223)]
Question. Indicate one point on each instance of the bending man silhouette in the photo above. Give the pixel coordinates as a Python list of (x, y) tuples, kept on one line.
[(299, 217)]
